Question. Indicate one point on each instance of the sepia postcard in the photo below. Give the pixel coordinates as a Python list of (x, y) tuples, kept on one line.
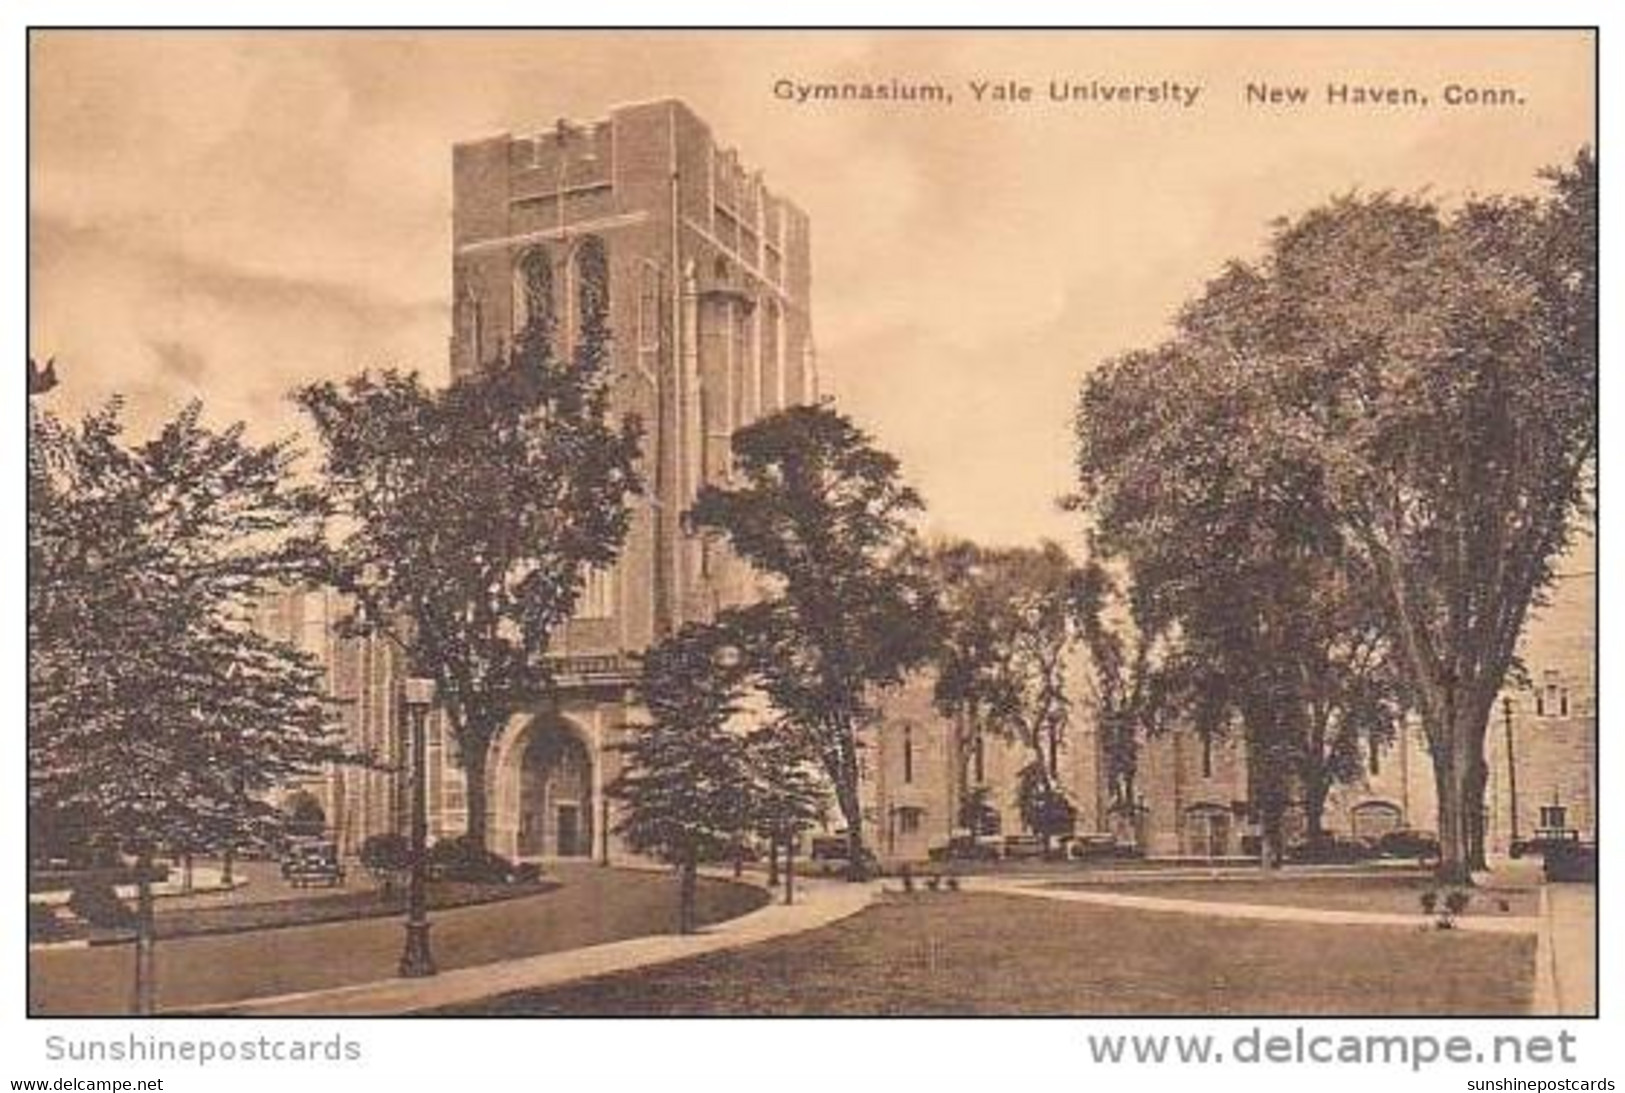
[(1092, 523)]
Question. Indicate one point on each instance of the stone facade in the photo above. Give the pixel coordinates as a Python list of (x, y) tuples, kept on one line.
[(1193, 798), (705, 278)]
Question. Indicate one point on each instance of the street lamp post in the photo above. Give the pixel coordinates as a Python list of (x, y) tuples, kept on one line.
[(1512, 772), (416, 959)]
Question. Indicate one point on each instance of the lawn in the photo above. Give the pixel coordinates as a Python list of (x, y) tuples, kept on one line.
[(593, 905), (938, 953), (196, 918), (1397, 895)]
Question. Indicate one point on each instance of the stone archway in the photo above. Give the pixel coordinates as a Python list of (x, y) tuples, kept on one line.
[(544, 805), (1207, 831), (1370, 820)]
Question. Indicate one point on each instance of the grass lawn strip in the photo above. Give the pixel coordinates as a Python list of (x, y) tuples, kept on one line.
[(938, 953)]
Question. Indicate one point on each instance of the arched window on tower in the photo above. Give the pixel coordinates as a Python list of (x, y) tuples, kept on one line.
[(533, 291), (592, 288)]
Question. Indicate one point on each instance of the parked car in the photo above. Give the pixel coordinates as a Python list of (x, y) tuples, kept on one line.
[(1023, 847), (1571, 860), (1408, 843), (310, 863), (964, 848), (1545, 841), (829, 855), (1331, 849)]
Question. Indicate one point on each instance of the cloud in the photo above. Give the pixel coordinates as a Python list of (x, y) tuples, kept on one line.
[(226, 214)]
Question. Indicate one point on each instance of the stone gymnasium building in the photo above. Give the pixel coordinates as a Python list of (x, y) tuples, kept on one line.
[(707, 277), (1541, 753)]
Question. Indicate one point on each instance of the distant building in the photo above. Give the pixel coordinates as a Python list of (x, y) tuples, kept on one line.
[(1193, 797), (705, 276)]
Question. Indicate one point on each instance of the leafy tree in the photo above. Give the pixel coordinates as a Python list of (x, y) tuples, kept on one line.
[(1232, 547), (469, 517), (687, 775), (1133, 684), (1008, 646), (158, 717), (1419, 387), (303, 814), (821, 511), (387, 855), (976, 812), (788, 794)]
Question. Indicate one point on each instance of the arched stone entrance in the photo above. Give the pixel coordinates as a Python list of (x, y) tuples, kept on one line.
[(544, 802), (1207, 831), (1370, 820)]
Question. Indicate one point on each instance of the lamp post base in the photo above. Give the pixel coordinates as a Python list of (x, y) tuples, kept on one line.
[(417, 961)]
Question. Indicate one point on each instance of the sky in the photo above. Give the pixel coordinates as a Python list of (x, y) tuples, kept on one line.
[(225, 215)]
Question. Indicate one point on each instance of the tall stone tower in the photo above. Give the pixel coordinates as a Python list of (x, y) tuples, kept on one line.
[(705, 276)]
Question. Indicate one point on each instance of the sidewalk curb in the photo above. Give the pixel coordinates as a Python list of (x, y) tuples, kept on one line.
[(1547, 999), (1257, 911)]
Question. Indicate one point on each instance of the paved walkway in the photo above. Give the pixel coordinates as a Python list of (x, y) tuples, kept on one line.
[(1565, 929), (819, 903), (1566, 956)]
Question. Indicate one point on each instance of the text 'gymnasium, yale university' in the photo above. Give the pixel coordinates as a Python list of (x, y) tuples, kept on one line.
[(706, 276)]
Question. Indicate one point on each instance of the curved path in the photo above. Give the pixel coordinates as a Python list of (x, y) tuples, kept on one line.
[(819, 903), (594, 906)]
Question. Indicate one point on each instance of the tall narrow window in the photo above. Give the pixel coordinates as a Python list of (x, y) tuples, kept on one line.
[(1373, 756), (592, 289), (980, 756), (908, 754), (469, 330), (533, 291), (1207, 755)]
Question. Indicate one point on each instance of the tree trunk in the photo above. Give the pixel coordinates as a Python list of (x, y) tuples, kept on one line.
[(1477, 818), (773, 863), (1315, 790), (476, 756), (687, 886), (1452, 777), (1460, 775), (846, 795), (146, 985), (789, 871), (1270, 849)]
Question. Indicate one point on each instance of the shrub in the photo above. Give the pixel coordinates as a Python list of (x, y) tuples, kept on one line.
[(952, 882), (933, 882), (1429, 901), (43, 925), (95, 901), (458, 859), (527, 873), (387, 856)]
